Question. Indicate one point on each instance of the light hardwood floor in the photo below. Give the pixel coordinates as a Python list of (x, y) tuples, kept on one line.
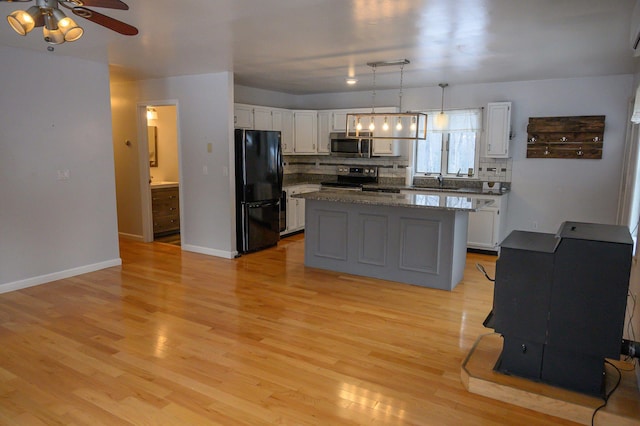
[(177, 338)]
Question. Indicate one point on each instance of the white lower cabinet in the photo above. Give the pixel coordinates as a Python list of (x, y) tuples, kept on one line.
[(487, 227), (295, 207), (483, 228)]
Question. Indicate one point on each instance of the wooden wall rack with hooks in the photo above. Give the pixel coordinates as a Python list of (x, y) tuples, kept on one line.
[(579, 137)]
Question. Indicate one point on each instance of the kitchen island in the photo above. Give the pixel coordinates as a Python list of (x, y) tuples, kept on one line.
[(417, 239)]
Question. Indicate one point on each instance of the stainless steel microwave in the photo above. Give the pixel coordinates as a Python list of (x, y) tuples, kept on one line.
[(342, 146)]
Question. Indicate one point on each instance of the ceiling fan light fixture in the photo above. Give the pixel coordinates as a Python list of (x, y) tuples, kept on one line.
[(67, 26), (52, 36), (23, 21), (59, 28), (50, 30)]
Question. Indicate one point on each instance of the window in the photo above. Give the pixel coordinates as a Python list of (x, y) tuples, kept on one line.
[(451, 152)]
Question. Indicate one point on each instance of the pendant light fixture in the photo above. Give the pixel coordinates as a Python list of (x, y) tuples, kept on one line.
[(441, 121), (399, 125)]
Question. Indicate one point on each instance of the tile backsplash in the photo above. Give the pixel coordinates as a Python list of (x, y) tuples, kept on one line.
[(390, 169), (494, 169), (324, 165)]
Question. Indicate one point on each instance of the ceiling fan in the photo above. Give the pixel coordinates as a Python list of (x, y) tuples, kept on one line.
[(57, 27)]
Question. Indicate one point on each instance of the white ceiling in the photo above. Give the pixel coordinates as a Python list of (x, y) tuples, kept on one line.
[(311, 46)]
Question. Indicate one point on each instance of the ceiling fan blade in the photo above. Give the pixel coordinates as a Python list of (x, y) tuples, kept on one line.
[(105, 21), (109, 4)]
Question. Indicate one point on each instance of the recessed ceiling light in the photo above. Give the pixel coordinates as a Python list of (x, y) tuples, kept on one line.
[(351, 81)]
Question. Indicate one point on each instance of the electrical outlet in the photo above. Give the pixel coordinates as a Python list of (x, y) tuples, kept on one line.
[(63, 174)]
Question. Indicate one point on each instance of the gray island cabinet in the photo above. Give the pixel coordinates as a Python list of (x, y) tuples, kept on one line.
[(418, 239)]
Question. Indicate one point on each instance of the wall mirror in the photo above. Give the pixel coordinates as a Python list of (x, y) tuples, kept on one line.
[(152, 139)]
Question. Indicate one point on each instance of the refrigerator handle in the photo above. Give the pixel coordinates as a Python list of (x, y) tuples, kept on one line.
[(280, 163), (263, 204)]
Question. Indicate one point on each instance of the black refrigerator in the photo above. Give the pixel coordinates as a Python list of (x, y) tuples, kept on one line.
[(258, 189)]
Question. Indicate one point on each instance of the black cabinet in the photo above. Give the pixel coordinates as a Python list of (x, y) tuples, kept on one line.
[(559, 302)]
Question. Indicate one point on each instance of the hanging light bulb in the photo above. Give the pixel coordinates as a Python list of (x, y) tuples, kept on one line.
[(413, 126), (385, 126), (359, 125), (399, 124), (441, 121), (372, 125)]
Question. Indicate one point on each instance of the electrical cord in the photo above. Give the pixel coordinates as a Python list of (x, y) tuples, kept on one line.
[(606, 398), (480, 268), (630, 330)]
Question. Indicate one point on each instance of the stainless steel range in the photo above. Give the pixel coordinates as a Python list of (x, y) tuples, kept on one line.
[(352, 178)]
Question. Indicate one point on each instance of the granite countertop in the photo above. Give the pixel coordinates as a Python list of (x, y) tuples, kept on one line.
[(431, 201), (382, 187), (477, 190)]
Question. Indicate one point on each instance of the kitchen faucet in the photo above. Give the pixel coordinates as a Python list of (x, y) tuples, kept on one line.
[(459, 174), (440, 180)]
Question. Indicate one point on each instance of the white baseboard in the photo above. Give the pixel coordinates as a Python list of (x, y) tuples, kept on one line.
[(209, 251), (132, 237), (42, 279)]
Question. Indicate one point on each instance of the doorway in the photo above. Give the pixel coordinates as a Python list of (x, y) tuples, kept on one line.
[(161, 209), (629, 195)]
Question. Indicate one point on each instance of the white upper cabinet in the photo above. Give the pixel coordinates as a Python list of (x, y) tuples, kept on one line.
[(286, 131), (243, 116), (339, 121), (385, 147), (305, 132), (324, 128), (498, 129), (276, 120), (262, 118)]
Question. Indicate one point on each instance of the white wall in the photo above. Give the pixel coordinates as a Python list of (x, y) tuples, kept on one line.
[(205, 111), (544, 191), (55, 117), (127, 160), (250, 95)]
